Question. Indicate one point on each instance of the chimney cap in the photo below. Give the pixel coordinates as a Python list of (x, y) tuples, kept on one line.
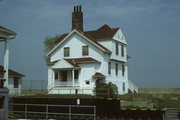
[(77, 8)]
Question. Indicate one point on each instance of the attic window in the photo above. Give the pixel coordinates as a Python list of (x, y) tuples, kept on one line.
[(85, 50), (66, 52)]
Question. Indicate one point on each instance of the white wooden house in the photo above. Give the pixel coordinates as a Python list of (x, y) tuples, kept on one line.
[(81, 58), (14, 81)]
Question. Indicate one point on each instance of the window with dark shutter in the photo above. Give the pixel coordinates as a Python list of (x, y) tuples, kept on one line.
[(85, 50), (66, 52)]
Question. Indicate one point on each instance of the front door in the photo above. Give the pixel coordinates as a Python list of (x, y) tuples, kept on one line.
[(64, 75)]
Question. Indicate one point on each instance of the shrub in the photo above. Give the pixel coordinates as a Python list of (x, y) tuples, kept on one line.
[(105, 90)]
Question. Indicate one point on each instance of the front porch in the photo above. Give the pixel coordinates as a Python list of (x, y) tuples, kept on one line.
[(66, 77)]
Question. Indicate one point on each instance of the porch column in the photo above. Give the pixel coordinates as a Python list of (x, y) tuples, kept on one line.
[(6, 62), (73, 77)]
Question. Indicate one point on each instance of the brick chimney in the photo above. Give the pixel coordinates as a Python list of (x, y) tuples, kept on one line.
[(77, 19)]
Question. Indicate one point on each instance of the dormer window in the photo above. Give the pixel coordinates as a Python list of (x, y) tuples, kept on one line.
[(66, 52), (85, 50)]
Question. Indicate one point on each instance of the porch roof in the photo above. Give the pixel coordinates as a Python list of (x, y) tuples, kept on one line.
[(81, 60), (74, 61), (64, 64)]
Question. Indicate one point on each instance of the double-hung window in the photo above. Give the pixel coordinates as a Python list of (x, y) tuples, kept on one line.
[(85, 50), (66, 52)]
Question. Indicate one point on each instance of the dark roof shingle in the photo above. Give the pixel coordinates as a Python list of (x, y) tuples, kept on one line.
[(11, 72), (102, 33)]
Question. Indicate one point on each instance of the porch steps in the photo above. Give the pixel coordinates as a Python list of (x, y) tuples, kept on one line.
[(132, 87)]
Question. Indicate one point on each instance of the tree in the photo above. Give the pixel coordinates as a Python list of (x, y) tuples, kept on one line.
[(106, 90), (49, 43)]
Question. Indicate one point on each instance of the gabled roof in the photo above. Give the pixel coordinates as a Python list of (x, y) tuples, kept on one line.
[(84, 35), (74, 61), (103, 32), (11, 72)]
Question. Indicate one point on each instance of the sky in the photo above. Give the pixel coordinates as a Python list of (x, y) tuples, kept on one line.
[(151, 28)]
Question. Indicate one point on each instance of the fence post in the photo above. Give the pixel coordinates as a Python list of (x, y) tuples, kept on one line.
[(69, 112), (46, 111), (94, 112), (25, 111)]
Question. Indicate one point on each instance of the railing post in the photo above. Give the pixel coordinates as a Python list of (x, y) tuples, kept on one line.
[(46, 111), (69, 112), (25, 111)]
